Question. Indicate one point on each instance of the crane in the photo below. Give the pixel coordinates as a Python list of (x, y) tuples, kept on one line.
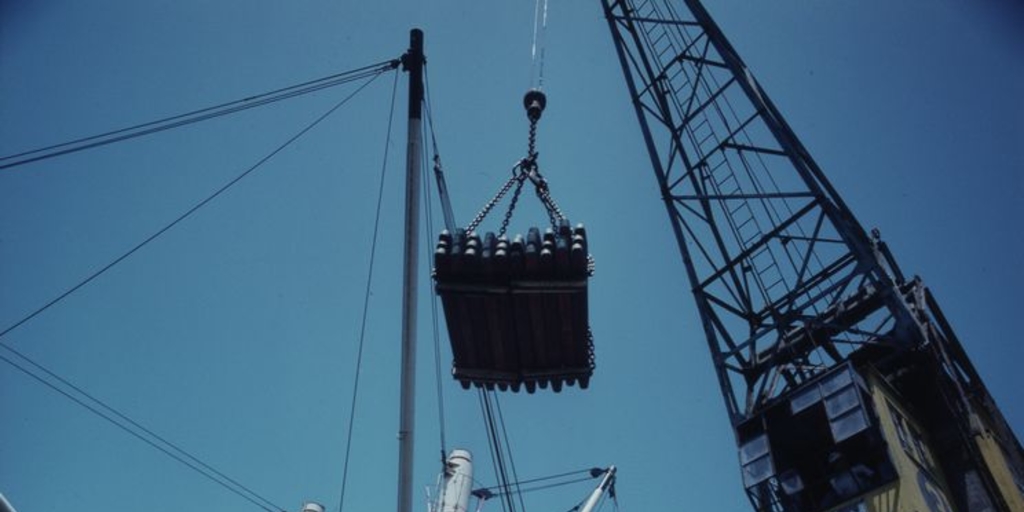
[(845, 385)]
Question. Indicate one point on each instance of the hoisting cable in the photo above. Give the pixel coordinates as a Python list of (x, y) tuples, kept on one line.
[(538, 45), (120, 420), (195, 116), (366, 296), (191, 210)]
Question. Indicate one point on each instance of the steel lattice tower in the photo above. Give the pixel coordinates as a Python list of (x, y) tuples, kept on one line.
[(788, 284)]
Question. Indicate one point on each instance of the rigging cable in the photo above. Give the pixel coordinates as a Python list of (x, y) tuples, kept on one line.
[(507, 505), (442, 186), (546, 486), (190, 211), (174, 451), (500, 451), (435, 328), (552, 477), (366, 296), (194, 116), (132, 427), (449, 219), (508, 447)]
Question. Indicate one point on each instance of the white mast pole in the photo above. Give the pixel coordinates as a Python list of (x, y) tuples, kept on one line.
[(595, 497), (5, 506)]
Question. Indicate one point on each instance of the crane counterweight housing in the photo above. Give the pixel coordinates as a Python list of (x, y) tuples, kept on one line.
[(517, 309)]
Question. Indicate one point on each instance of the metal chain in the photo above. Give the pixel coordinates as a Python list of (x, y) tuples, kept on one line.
[(527, 168), (494, 201), (531, 153), (512, 206), (554, 212), (541, 185)]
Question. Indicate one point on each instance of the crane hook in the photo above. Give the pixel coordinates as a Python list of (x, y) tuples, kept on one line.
[(534, 102)]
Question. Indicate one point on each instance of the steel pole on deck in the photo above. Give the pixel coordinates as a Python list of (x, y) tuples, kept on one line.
[(5, 506), (412, 62), (606, 483)]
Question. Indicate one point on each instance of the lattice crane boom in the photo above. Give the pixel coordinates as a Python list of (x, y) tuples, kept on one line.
[(791, 290), (770, 247)]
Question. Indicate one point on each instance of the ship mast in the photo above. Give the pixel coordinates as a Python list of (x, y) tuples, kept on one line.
[(412, 62)]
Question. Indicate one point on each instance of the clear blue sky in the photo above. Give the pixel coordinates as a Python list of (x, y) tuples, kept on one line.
[(234, 334)]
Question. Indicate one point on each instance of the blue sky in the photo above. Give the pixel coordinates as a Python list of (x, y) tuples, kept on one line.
[(234, 334)]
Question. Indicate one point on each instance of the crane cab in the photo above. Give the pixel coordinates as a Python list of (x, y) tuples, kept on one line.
[(841, 443), (517, 310)]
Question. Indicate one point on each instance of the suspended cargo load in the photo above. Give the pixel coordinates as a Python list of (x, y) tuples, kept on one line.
[(517, 310)]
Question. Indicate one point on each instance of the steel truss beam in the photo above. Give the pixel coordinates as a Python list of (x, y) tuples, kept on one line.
[(786, 280), (787, 283)]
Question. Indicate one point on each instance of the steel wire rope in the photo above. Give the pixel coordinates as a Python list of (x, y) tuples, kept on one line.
[(198, 111), (175, 452), (366, 295), (446, 210), (508, 448), (603, 499), (428, 262), (113, 410), (194, 116), (497, 454), (547, 486), (442, 187), (435, 330), (498, 434), (490, 445), (510, 490), (577, 506), (545, 478), (540, 28), (189, 212)]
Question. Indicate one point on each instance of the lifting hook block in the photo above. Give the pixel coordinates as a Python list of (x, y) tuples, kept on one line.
[(534, 102)]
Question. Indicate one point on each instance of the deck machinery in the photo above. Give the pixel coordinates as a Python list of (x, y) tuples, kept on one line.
[(845, 385)]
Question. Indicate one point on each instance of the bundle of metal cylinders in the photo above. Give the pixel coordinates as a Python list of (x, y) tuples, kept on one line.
[(560, 254), (517, 310)]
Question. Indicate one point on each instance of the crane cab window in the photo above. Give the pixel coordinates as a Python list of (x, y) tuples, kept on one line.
[(816, 449)]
